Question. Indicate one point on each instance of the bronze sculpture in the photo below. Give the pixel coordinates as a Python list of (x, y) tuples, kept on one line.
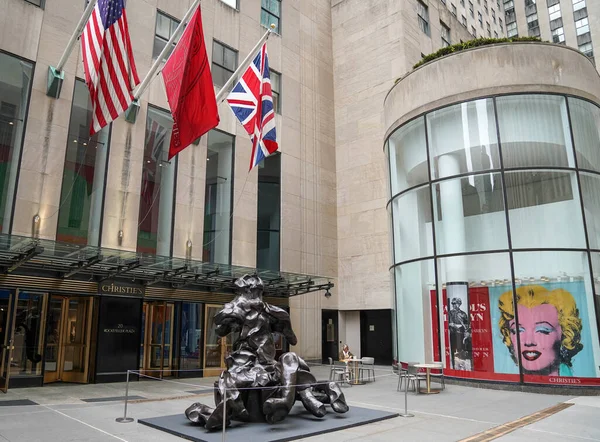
[(255, 386)]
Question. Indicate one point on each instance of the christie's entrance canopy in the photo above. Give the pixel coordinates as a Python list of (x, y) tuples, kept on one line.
[(25, 255)]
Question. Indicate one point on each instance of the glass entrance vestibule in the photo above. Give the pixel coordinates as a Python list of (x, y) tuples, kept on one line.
[(45, 338)]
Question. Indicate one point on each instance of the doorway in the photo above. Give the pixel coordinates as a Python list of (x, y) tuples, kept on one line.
[(376, 335), (216, 348), (329, 335), (67, 348), (156, 353)]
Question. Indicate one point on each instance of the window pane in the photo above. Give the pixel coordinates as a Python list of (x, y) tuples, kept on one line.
[(83, 175), (159, 45), (267, 20), (534, 131), (471, 289), (217, 198), (230, 59), (192, 321), (275, 81), (557, 326), (219, 75), (163, 26), (217, 54), (408, 156), (544, 209), (413, 283), (158, 186), (267, 250), (585, 118), (470, 214), (412, 225), (466, 133), (15, 82), (269, 213), (28, 338), (590, 188)]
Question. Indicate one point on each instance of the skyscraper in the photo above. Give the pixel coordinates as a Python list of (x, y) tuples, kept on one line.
[(569, 22)]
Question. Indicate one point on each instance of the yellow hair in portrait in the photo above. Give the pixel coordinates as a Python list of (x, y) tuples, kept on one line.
[(568, 316)]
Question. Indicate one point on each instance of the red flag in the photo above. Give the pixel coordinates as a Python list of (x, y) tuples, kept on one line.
[(190, 88)]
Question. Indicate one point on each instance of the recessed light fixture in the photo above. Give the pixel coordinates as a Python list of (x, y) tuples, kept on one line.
[(85, 144), (10, 123), (74, 141)]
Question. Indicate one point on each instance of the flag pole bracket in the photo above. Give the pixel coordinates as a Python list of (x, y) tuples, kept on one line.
[(55, 81), (132, 112)]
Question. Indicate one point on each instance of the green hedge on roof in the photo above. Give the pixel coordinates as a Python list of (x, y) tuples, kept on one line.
[(470, 44)]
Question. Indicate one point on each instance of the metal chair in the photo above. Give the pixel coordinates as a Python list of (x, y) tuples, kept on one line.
[(368, 365), (402, 374), (336, 372), (415, 376)]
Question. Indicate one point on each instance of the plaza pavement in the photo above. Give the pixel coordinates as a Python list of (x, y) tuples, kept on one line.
[(455, 414)]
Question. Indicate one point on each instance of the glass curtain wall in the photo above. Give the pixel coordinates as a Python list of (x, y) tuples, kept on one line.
[(15, 85), (82, 195), (495, 208), (218, 198), (269, 213), (155, 221)]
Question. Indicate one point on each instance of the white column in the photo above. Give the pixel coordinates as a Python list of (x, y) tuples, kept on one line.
[(453, 221), (165, 208)]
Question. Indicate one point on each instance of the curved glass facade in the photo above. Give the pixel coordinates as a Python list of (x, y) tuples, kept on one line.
[(495, 203)]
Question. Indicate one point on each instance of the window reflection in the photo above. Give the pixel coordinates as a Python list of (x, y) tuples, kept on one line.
[(534, 131), (15, 83), (466, 133), (158, 186), (83, 176), (191, 334), (217, 198)]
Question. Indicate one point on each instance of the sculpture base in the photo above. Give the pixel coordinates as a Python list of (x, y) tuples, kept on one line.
[(298, 424)]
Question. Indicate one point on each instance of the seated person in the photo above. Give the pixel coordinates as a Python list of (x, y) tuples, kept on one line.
[(345, 353)]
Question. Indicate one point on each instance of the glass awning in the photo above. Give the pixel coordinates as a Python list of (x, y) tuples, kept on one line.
[(70, 261)]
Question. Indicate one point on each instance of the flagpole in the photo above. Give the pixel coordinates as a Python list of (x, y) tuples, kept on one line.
[(78, 30), (55, 74), (243, 66), (156, 67)]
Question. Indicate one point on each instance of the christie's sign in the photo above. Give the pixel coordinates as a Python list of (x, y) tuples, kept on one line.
[(120, 288)]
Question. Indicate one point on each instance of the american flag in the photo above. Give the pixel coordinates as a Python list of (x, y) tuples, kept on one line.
[(251, 101), (110, 72)]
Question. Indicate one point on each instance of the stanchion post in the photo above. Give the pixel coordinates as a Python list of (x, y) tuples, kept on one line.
[(125, 419), (406, 413), (224, 410)]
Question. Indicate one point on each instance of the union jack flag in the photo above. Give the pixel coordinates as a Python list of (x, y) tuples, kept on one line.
[(251, 101)]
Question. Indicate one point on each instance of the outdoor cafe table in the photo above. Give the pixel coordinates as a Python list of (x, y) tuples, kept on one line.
[(354, 362), (428, 367)]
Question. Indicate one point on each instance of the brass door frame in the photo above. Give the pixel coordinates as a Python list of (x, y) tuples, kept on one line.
[(148, 346), (59, 374), (9, 341), (213, 371)]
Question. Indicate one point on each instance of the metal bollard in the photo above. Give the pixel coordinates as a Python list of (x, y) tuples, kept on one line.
[(125, 419), (224, 410), (406, 413)]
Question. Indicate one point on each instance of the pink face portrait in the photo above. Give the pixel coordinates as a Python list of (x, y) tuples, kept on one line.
[(540, 335)]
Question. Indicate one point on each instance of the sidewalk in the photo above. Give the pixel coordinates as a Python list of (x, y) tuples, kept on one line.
[(65, 412)]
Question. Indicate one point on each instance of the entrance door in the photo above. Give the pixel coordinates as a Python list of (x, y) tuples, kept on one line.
[(68, 339), (156, 357), (329, 337), (216, 348), (7, 333)]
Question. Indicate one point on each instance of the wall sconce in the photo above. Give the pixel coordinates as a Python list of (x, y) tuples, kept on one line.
[(188, 249), (120, 236), (327, 293), (35, 225)]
